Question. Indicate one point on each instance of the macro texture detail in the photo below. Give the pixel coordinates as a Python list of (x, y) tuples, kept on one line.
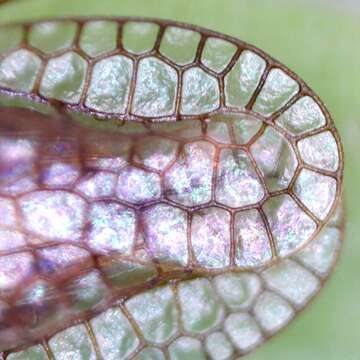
[(166, 192)]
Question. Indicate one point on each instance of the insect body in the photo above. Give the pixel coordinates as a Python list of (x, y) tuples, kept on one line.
[(147, 157)]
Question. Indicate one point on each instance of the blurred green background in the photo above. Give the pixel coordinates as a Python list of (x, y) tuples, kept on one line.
[(319, 40)]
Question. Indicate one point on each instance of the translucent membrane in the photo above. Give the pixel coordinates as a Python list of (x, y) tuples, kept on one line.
[(172, 186), (233, 312)]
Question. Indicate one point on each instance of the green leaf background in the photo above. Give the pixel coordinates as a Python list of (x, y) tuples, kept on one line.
[(319, 40)]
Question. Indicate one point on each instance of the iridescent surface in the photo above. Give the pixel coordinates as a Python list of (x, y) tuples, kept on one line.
[(221, 317), (143, 203)]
